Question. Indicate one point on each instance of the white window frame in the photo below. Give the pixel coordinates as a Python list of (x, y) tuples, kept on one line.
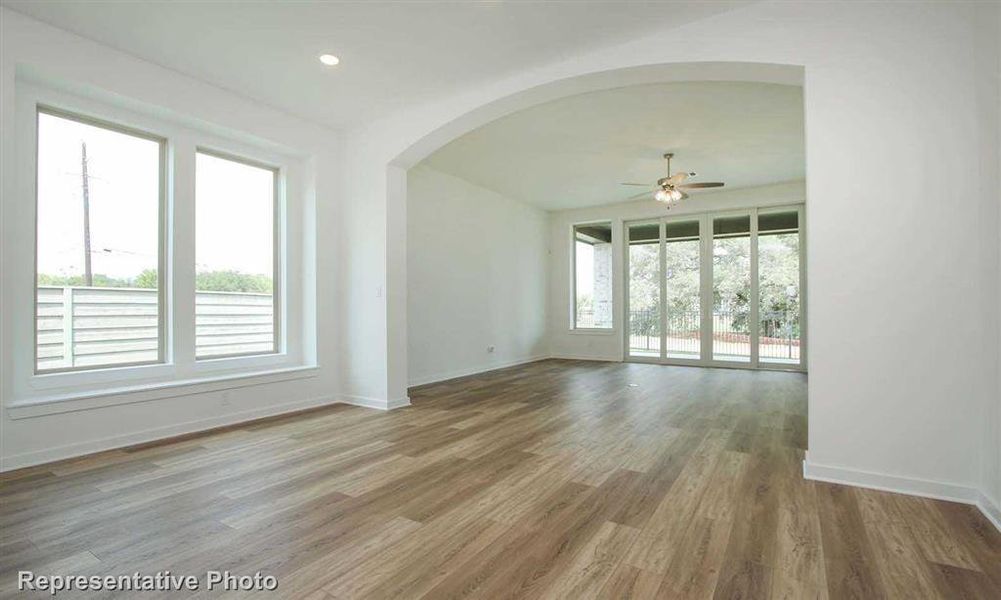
[(277, 246), (162, 273), (573, 278), (29, 394)]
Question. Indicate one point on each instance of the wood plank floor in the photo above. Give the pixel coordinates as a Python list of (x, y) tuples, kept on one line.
[(558, 479)]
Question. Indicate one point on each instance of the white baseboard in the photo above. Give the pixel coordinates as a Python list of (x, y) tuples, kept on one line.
[(398, 403), (426, 379), (371, 402), (889, 483), (38, 457), (578, 357), (924, 488), (991, 510)]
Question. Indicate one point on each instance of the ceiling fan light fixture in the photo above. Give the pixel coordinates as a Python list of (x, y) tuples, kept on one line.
[(663, 196), (675, 195)]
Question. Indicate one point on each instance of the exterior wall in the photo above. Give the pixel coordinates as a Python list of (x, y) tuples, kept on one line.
[(603, 283), (477, 278)]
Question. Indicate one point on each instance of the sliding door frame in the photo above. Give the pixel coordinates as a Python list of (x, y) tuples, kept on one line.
[(627, 298), (701, 218), (709, 333), (662, 282), (705, 220), (804, 298)]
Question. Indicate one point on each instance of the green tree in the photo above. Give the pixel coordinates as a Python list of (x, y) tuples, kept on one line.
[(644, 287), (732, 280), (207, 281), (147, 279), (778, 259), (232, 281), (99, 280)]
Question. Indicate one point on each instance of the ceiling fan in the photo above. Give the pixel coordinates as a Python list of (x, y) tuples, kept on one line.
[(671, 189)]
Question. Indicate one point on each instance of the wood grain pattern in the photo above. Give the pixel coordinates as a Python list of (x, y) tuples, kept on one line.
[(556, 479)]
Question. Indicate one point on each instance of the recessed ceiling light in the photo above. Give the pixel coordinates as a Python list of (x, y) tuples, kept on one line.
[(329, 59)]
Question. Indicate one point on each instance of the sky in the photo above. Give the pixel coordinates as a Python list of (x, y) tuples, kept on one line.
[(234, 214)]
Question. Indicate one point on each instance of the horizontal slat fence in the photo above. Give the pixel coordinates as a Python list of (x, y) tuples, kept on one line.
[(89, 326), (233, 323)]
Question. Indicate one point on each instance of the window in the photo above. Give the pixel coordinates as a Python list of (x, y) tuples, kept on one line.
[(644, 289), (592, 276), (681, 286), (236, 279), (99, 245), (164, 256)]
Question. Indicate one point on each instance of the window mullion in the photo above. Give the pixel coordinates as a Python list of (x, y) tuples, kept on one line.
[(182, 256), (755, 294), (706, 288)]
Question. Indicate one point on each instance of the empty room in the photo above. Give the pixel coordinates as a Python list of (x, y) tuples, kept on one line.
[(663, 299)]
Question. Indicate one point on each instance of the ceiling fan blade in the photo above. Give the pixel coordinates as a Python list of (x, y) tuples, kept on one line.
[(644, 194), (642, 184), (706, 184), (678, 178), (683, 195)]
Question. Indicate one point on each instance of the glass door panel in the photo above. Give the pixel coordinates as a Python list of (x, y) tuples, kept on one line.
[(731, 288), (644, 290), (779, 288), (681, 290)]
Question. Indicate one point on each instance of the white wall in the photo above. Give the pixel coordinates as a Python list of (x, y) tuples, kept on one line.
[(891, 241), (362, 279), (123, 83), (477, 276), (992, 33), (988, 60), (567, 343)]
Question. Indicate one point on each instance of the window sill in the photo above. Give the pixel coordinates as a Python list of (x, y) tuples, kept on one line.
[(593, 331), (37, 406)]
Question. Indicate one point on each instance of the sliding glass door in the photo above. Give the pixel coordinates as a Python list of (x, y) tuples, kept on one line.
[(779, 293), (720, 289), (682, 269), (731, 292), (644, 289)]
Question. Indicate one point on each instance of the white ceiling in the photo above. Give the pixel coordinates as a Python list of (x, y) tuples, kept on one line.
[(392, 53), (575, 152)]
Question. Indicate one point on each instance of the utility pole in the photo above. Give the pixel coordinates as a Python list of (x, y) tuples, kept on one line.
[(88, 277)]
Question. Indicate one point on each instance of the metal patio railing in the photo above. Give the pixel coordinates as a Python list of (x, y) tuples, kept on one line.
[(778, 336)]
